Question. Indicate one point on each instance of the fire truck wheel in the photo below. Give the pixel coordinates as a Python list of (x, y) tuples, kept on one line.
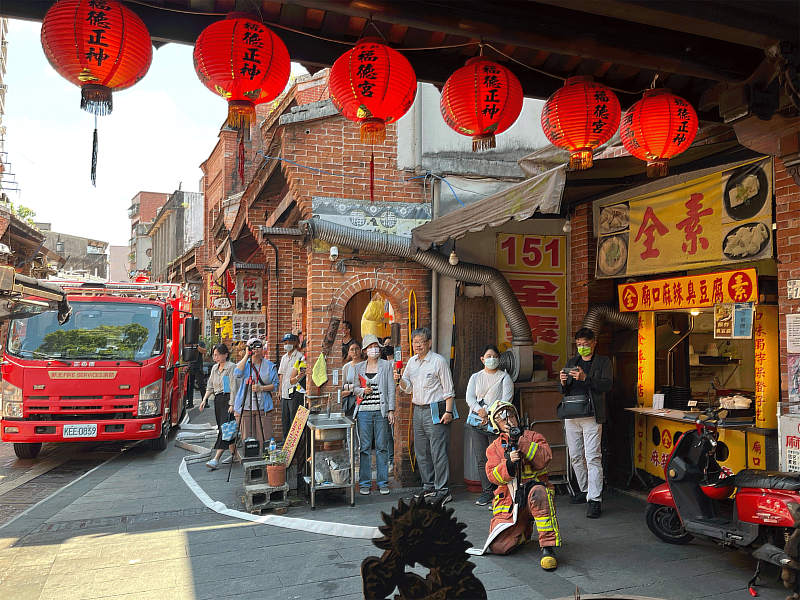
[(160, 443), (27, 450), (665, 523)]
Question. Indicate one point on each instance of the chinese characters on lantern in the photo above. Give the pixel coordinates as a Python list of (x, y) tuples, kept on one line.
[(254, 43), (97, 18), (493, 87), (366, 75), (535, 267)]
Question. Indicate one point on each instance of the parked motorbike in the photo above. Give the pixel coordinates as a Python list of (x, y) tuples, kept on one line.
[(753, 510)]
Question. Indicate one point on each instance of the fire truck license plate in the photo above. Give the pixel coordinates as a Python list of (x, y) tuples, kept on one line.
[(79, 431)]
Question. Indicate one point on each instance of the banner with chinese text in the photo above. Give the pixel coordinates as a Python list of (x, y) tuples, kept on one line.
[(721, 218), (217, 298), (695, 291), (535, 267)]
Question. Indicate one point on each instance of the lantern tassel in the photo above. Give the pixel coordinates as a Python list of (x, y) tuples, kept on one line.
[(581, 159), (240, 157), (484, 141), (241, 113), (658, 168), (96, 99), (372, 177), (373, 131), (94, 154)]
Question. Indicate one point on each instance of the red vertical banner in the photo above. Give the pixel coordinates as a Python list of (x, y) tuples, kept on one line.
[(535, 267)]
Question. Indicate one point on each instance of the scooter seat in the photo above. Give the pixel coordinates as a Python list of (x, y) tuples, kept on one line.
[(776, 480)]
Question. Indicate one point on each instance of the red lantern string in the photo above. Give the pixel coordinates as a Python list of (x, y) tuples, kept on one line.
[(244, 62), (100, 46), (657, 128), (372, 177), (481, 99), (240, 155), (372, 85), (579, 117)]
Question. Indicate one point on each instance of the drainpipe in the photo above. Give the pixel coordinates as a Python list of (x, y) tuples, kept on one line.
[(437, 196)]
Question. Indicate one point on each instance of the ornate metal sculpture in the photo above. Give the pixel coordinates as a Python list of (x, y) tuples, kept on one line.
[(428, 534)]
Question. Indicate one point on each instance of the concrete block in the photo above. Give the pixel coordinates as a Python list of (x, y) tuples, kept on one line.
[(260, 497), (255, 472)]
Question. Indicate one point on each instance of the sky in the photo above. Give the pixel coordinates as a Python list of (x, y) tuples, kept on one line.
[(158, 134)]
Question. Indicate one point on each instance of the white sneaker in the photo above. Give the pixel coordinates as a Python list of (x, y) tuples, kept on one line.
[(213, 464), (364, 491)]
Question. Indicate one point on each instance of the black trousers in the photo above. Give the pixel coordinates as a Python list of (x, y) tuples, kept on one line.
[(221, 403), (288, 412)]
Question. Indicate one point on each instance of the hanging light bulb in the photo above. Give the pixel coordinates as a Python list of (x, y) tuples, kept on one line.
[(567, 225), (453, 258)]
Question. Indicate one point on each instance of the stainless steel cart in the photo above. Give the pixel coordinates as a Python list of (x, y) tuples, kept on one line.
[(324, 428)]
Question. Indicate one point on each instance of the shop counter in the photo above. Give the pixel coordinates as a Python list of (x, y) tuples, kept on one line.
[(741, 445)]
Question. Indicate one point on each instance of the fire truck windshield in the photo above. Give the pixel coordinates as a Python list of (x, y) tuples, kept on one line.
[(97, 330)]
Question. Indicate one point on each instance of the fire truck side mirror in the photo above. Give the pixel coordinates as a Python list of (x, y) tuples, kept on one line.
[(189, 354), (191, 331)]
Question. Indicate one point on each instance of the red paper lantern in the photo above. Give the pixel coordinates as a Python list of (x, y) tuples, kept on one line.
[(372, 85), (579, 117), (481, 99), (244, 62), (658, 127), (99, 45)]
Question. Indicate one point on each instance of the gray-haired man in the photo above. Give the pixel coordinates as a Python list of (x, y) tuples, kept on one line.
[(428, 378)]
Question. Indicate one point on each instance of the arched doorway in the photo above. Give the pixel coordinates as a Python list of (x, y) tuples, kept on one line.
[(356, 306)]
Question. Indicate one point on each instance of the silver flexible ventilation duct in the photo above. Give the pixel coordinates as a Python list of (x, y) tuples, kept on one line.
[(600, 313), (383, 243)]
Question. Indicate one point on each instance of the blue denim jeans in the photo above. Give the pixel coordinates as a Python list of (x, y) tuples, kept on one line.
[(372, 425)]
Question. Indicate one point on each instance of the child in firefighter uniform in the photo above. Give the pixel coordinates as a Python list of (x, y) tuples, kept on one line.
[(521, 475)]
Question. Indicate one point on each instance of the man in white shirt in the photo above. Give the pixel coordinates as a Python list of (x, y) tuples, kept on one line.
[(291, 356), (429, 380)]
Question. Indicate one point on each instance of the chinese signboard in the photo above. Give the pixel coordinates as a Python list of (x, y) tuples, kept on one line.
[(218, 299), (397, 218), (535, 267), (695, 291), (722, 218), (767, 363), (733, 320), (249, 326), (646, 363), (249, 291)]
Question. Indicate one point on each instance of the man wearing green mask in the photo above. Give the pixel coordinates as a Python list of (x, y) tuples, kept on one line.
[(587, 374)]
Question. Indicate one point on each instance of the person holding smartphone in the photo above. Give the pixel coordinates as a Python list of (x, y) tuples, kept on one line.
[(587, 374)]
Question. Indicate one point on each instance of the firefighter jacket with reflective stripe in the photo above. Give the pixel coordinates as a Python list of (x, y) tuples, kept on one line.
[(536, 455)]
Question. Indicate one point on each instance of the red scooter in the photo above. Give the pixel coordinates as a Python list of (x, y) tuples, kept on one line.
[(696, 501)]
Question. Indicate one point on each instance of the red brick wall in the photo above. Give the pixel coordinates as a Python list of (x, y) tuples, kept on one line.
[(787, 240), (333, 144), (149, 203)]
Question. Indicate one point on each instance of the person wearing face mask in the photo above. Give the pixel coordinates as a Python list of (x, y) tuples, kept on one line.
[(288, 360), (587, 374), (484, 390), (375, 386)]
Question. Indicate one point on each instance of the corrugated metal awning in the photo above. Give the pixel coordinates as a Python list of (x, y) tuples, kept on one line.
[(541, 193)]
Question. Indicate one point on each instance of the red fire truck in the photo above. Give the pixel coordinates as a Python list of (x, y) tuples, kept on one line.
[(113, 371)]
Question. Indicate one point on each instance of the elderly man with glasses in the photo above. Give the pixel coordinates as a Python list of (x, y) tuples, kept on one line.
[(430, 382), (587, 374)]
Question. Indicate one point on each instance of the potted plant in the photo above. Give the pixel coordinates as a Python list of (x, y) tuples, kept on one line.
[(276, 467)]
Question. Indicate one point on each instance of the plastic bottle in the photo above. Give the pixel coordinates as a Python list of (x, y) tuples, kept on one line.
[(272, 447)]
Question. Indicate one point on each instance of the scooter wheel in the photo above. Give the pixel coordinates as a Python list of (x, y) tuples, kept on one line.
[(666, 525)]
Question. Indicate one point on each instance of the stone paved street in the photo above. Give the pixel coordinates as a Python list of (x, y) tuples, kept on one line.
[(132, 529)]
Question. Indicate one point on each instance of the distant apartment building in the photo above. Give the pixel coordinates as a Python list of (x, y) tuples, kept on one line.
[(118, 263), (177, 228), (142, 212), (84, 256)]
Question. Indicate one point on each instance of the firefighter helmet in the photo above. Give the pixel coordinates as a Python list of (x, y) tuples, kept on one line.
[(502, 409)]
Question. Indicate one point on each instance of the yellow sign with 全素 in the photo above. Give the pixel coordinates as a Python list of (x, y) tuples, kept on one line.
[(724, 217), (694, 291)]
